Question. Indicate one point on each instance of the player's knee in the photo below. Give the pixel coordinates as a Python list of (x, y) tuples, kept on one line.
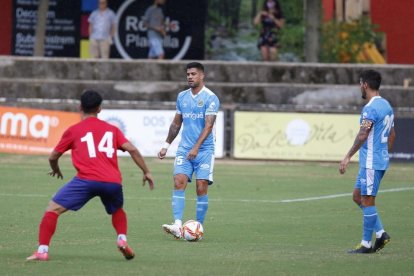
[(202, 188), (356, 199), (56, 208), (368, 201), (356, 196), (180, 181)]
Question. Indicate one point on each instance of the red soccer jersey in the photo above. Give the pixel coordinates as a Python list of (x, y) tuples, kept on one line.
[(94, 143)]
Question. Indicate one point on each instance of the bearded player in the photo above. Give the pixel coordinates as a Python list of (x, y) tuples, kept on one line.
[(375, 139), (197, 109)]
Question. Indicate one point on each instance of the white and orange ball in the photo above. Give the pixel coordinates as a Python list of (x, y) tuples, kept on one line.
[(193, 231)]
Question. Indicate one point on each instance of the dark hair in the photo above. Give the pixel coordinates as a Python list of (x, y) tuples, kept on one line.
[(277, 6), (197, 65), (90, 101), (372, 78)]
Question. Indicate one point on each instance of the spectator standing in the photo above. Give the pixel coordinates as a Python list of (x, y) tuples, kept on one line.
[(271, 19), (102, 23), (154, 20)]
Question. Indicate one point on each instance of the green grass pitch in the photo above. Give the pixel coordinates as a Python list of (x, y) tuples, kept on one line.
[(254, 226)]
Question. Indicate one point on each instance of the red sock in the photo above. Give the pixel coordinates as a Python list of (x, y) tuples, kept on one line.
[(119, 221), (47, 227)]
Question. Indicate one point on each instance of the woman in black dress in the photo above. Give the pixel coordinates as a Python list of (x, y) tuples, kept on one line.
[(272, 20)]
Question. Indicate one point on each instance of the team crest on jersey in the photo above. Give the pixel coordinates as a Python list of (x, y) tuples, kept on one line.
[(200, 103), (184, 104)]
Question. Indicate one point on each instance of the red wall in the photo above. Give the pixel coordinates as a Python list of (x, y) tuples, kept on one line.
[(5, 27), (395, 19), (328, 7)]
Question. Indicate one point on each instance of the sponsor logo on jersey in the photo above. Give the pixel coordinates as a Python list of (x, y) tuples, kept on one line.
[(193, 116)]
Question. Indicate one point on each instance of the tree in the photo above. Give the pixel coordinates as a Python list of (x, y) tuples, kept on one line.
[(312, 29), (224, 13), (39, 47)]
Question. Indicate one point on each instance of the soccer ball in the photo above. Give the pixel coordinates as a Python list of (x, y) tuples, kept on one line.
[(193, 231)]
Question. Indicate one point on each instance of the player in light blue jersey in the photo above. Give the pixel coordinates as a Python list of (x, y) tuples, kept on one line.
[(375, 139), (197, 109)]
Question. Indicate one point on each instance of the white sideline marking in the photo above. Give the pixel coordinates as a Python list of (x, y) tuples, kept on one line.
[(239, 200)]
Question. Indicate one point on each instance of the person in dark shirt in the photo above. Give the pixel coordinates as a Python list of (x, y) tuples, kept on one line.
[(271, 20)]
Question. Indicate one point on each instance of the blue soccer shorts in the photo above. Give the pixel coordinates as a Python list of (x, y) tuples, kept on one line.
[(368, 181), (202, 165), (77, 192)]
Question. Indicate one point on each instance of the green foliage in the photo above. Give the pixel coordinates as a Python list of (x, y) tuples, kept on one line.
[(291, 40), (293, 11), (343, 41), (291, 37)]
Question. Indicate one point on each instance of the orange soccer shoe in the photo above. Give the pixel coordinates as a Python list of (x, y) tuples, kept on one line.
[(125, 250), (38, 257)]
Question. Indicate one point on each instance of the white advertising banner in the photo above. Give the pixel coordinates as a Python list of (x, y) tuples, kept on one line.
[(148, 129)]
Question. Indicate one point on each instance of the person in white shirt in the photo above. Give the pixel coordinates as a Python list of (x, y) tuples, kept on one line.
[(102, 23)]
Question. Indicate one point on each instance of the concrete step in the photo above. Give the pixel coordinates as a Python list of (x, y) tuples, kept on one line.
[(217, 71), (340, 96)]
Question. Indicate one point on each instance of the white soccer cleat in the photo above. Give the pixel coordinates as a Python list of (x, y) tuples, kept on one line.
[(174, 230)]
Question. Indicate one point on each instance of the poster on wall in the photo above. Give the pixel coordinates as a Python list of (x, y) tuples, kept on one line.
[(294, 136), (33, 131), (62, 28), (184, 26), (148, 129), (403, 149)]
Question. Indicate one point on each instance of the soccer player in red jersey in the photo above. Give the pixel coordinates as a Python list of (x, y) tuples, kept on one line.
[(94, 145)]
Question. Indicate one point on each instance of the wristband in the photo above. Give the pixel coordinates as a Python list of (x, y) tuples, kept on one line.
[(166, 145)]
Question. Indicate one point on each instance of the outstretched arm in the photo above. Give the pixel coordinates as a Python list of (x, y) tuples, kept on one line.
[(172, 133), (360, 139), (54, 164), (139, 160), (210, 119)]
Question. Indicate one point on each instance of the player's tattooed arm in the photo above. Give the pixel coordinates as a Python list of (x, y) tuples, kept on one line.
[(172, 133), (174, 128), (362, 136), (360, 139), (208, 127)]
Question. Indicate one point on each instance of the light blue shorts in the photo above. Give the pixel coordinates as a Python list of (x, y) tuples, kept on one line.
[(368, 181), (202, 165), (155, 47)]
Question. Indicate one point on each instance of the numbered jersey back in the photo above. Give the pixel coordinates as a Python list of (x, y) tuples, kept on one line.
[(374, 152), (94, 144)]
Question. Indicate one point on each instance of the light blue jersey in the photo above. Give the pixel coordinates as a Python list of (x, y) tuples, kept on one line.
[(374, 152), (194, 109)]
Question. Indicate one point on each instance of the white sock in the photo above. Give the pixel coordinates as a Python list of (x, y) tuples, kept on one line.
[(379, 233), (366, 244), (43, 249), (122, 237), (178, 222)]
